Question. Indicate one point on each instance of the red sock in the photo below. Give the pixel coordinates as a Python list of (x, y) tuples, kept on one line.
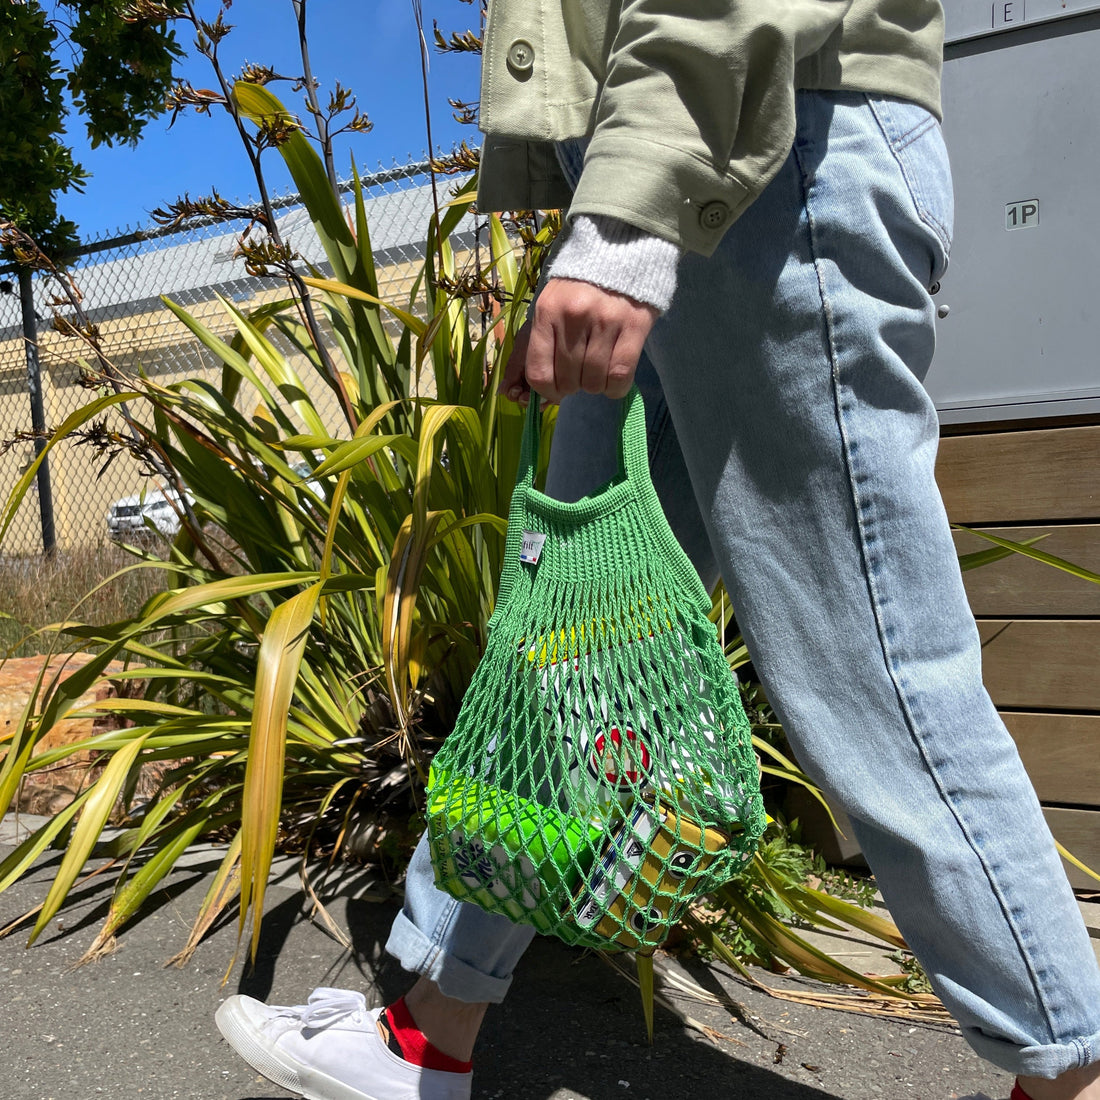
[(1018, 1093), (414, 1047)]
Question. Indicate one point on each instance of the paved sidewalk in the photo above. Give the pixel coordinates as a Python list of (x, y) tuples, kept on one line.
[(572, 1029)]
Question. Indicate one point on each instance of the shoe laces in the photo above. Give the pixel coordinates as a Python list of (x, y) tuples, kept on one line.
[(325, 1008)]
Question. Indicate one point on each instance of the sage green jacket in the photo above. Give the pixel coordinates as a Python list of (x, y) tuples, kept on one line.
[(689, 103)]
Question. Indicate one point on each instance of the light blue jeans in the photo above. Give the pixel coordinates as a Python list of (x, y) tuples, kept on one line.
[(784, 384)]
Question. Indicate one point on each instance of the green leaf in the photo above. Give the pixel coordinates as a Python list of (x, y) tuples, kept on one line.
[(258, 105), (334, 286), (996, 553), (280, 655), (1028, 551), (94, 813), (214, 593), (25, 854), (129, 898), (982, 557)]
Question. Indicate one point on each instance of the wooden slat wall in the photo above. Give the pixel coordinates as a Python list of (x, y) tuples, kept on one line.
[(1017, 477), (1048, 663), (1040, 628), (1060, 754), (1078, 832)]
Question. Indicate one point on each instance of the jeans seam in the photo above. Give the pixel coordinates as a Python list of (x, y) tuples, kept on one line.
[(446, 919), (875, 601), (911, 135)]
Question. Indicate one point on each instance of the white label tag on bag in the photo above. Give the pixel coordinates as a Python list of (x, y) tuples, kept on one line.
[(533, 542)]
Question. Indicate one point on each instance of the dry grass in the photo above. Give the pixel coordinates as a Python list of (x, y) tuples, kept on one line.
[(36, 592)]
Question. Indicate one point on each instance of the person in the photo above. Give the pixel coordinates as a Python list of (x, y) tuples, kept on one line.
[(759, 212)]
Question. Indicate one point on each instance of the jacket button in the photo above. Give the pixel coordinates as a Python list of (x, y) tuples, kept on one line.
[(521, 55), (714, 215)]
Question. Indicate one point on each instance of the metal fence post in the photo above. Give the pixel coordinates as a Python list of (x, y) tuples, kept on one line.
[(38, 413)]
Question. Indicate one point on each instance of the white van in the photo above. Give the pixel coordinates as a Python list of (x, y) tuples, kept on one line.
[(132, 516), (145, 514)]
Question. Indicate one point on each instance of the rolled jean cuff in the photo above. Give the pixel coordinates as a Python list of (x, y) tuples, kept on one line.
[(1047, 1060), (455, 978)]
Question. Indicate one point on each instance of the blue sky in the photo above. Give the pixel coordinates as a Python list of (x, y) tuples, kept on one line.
[(370, 46)]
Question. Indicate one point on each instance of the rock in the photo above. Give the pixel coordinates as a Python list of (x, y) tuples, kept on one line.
[(50, 790)]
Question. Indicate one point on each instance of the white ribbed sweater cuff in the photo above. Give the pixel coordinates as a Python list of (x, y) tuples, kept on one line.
[(618, 256)]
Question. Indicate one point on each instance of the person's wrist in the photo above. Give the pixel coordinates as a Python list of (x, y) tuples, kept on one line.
[(618, 256)]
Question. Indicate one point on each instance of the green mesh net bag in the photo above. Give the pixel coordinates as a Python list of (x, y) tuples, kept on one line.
[(600, 774)]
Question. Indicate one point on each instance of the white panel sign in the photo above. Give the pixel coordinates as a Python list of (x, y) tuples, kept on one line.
[(1008, 13), (973, 18), (1022, 215)]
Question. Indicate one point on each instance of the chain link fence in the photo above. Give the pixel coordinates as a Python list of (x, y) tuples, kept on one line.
[(122, 279)]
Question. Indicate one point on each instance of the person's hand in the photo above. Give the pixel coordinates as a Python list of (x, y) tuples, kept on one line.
[(578, 337)]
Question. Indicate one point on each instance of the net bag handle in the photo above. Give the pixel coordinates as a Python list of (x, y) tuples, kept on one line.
[(633, 478), (633, 444)]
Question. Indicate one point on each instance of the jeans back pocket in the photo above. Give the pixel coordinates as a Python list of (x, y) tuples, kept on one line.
[(914, 136)]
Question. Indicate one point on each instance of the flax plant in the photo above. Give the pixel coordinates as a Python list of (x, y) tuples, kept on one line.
[(317, 632)]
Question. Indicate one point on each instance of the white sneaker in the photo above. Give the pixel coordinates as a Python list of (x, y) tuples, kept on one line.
[(330, 1049)]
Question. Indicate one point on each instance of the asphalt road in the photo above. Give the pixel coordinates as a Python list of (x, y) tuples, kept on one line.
[(572, 1028)]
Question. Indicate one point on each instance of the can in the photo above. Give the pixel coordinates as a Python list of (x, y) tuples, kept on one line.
[(592, 751), (645, 875)]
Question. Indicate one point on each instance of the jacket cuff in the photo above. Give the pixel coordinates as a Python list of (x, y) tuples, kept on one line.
[(618, 256)]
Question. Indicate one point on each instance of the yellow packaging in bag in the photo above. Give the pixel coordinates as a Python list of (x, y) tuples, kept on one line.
[(647, 867)]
